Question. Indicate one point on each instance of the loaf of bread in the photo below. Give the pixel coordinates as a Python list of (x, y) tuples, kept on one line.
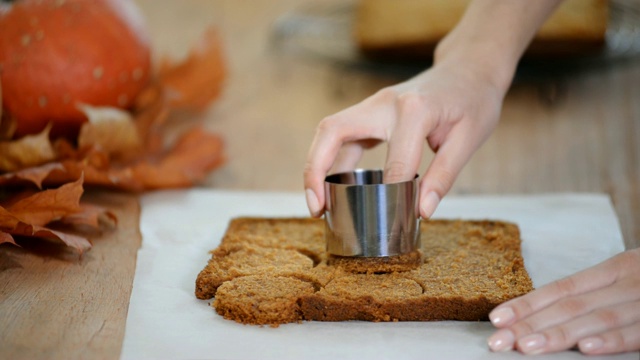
[(275, 271), (410, 29)]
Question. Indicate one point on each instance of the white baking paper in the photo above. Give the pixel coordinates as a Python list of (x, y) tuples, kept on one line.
[(561, 233)]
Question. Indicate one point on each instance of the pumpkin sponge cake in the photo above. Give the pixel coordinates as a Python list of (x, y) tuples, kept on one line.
[(373, 265), (275, 271), (230, 262), (261, 299)]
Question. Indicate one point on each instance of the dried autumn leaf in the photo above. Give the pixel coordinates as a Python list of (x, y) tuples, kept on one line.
[(43, 207), (109, 129), (25, 215), (195, 154), (197, 81), (90, 155), (94, 174), (148, 96), (92, 216), (152, 112), (6, 238), (80, 243), (34, 175), (92, 164), (12, 226), (31, 150)]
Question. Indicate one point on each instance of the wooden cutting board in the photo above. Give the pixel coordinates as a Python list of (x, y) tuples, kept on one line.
[(56, 305)]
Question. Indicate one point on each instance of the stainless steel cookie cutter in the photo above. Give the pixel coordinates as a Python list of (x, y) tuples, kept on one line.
[(364, 217)]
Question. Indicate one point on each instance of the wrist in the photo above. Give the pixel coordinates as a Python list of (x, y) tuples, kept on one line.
[(491, 37), (485, 59)]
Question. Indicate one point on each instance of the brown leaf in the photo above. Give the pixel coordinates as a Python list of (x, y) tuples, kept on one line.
[(6, 238), (152, 112), (94, 174), (11, 224), (195, 154), (34, 175), (79, 243), (7, 220), (42, 207), (148, 96), (109, 129), (92, 216), (198, 80), (31, 150)]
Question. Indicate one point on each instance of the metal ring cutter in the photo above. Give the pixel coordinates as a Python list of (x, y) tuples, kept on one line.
[(367, 218)]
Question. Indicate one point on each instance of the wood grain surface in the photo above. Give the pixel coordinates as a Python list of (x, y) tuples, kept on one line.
[(573, 131), (55, 305)]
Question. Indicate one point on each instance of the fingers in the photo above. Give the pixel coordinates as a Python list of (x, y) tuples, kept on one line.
[(611, 342), (367, 120), (350, 155), (322, 153), (562, 325), (408, 137), (597, 309), (443, 171), (611, 320), (587, 280)]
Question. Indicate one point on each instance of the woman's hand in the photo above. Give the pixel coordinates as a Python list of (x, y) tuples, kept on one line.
[(597, 310), (452, 106)]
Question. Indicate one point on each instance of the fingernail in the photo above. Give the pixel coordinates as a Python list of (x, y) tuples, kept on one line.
[(502, 340), (532, 344), (429, 204), (590, 344), (501, 317), (312, 202)]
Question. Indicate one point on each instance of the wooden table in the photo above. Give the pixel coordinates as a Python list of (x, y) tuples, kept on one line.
[(579, 132)]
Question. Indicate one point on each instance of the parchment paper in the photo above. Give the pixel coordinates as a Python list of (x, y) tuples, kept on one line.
[(562, 233)]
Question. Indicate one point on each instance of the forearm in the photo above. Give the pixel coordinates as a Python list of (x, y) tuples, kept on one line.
[(492, 35)]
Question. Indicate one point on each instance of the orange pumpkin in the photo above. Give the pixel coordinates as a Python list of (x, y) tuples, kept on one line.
[(56, 54)]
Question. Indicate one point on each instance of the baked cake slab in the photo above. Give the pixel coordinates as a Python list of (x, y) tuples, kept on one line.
[(270, 271)]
